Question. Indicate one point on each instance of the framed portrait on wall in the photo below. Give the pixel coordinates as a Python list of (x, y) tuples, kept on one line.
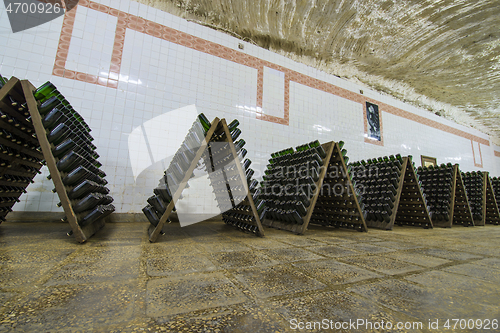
[(428, 161), (373, 119)]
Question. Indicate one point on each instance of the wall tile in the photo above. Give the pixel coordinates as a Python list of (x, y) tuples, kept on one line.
[(121, 64)]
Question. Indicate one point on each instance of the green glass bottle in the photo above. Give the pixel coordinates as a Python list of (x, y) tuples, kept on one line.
[(48, 105), (235, 134), (204, 122), (341, 144), (232, 126), (239, 144), (3, 81), (319, 148), (45, 91)]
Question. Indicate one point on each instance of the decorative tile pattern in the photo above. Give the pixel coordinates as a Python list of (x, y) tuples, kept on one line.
[(128, 21)]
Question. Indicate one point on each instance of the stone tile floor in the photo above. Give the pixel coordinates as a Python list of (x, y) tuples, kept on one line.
[(209, 277)]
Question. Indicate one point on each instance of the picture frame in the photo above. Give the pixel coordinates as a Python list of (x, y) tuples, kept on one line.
[(428, 161), (373, 121)]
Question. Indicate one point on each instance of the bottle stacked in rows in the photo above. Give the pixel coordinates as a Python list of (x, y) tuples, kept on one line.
[(473, 182), (75, 155), (20, 154), (495, 183), (290, 182), (228, 183), (437, 184), (376, 182), (175, 174)]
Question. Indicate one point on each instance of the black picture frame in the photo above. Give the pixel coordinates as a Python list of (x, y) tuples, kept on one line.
[(373, 120)]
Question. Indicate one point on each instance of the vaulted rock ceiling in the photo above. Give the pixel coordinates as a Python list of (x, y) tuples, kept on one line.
[(442, 55)]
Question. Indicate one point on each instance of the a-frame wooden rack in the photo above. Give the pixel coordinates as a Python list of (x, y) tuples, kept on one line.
[(22, 91), (330, 205), (411, 206), (495, 184), (490, 209), (204, 154), (81, 233), (475, 186), (435, 184), (461, 209), (405, 200), (21, 150)]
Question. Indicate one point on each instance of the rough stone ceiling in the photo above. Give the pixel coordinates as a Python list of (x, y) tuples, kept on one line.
[(442, 55)]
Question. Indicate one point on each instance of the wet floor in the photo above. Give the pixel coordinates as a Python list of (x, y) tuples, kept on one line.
[(209, 277)]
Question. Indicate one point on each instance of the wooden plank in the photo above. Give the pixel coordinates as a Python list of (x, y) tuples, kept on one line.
[(14, 184), (21, 149), (243, 178), (8, 87), (36, 119), (460, 193), (452, 203), (328, 147)]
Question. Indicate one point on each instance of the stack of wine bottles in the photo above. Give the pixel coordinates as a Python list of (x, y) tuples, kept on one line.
[(412, 206), (474, 185), (461, 208), (337, 204), (290, 182), (231, 176), (175, 174), (438, 188), (75, 156), (20, 153), (495, 183), (377, 181), (492, 215)]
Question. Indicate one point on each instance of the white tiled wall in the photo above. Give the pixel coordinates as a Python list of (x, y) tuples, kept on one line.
[(158, 77)]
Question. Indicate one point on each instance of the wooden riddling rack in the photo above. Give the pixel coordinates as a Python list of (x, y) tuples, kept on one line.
[(329, 205), (33, 150), (495, 184), (475, 187), (204, 155), (402, 197), (445, 194), (20, 155), (412, 206), (96, 215), (230, 183), (490, 209)]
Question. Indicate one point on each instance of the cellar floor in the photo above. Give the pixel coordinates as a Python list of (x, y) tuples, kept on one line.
[(211, 277)]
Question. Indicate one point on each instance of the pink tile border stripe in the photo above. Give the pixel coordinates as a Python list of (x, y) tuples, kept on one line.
[(128, 21)]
